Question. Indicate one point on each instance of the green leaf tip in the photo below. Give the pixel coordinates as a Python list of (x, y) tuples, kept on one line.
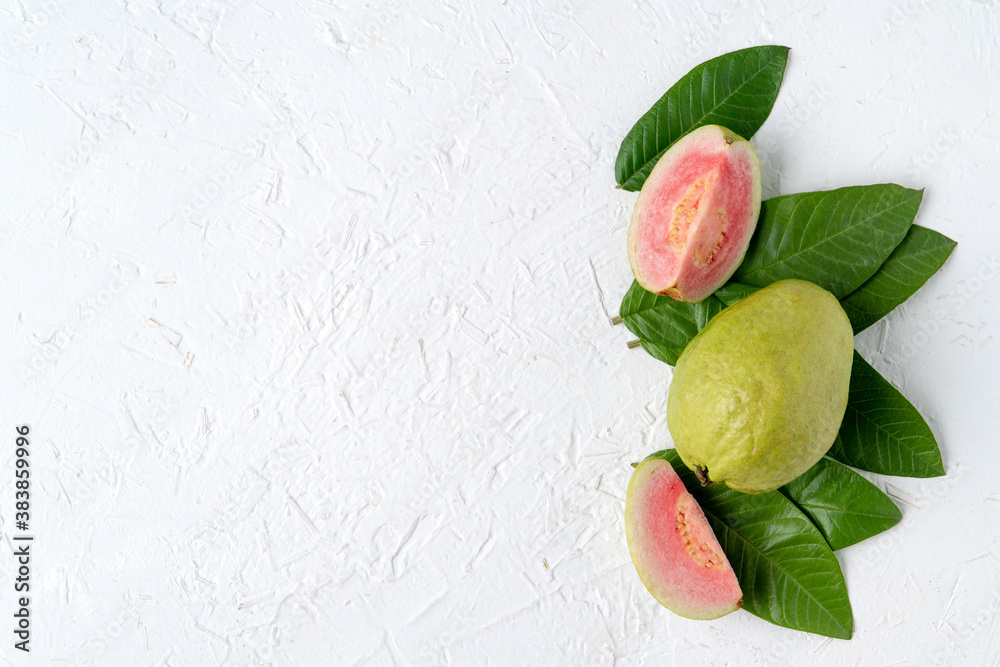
[(882, 432), (736, 90), (918, 257), (844, 506)]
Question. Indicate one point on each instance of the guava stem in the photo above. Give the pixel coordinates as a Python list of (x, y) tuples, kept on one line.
[(617, 319), (701, 472), (632, 344)]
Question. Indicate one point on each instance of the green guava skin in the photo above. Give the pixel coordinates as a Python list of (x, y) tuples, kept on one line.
[(758, 396)]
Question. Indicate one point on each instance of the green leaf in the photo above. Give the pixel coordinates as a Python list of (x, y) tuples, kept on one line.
[(882, 432), (735, 90), (786, 569), (845, 506), (664, 325), (835, 238), (732, 292), (917, 258)]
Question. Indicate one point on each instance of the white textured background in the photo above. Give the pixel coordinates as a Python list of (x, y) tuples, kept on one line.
[(307, 305)]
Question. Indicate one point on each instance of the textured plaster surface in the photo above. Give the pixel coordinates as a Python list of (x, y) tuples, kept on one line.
[(307, 305)]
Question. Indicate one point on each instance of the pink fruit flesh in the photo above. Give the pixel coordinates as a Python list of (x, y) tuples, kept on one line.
[(674, 550), (695, 214)]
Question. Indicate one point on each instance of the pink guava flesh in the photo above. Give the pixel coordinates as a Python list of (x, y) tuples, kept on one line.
[(673, 548), (695, 214)]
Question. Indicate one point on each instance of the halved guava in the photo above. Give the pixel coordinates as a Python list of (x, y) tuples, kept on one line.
[(695, 214), (673, 548)]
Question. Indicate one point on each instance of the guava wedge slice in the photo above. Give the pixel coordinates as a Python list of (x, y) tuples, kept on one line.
[(695, 214), (673, 548)]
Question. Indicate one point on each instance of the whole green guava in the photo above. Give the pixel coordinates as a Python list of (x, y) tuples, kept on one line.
[(758, 395)]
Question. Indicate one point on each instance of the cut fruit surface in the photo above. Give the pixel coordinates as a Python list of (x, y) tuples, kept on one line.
[(673, 547), (695, 214)]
